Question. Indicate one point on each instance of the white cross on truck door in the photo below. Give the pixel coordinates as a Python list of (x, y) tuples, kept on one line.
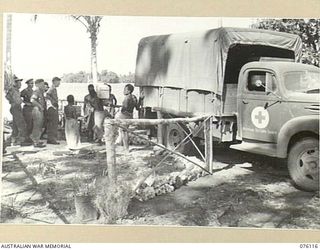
[(260, 117)]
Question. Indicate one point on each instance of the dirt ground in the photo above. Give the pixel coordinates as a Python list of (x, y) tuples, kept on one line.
[(245, 190)]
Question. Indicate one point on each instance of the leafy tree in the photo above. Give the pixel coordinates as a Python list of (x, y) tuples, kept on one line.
[(108, 76), (307, 29), (81, 76), (92, 25), (104, 76), (127, 78)]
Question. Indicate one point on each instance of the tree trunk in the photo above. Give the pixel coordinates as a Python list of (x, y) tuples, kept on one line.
[(110, 137), (94, 67)]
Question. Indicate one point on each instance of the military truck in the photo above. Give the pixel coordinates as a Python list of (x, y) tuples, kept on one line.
[(262, 98)]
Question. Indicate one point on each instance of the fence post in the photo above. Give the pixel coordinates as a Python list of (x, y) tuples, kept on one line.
[(160, 129), (110, 137), (208, 133)]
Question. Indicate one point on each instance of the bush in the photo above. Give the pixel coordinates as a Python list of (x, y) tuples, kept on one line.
[(112, 199), (307, 29), (81, 76)]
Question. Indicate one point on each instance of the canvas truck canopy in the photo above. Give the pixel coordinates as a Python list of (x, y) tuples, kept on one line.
[(198, 60)]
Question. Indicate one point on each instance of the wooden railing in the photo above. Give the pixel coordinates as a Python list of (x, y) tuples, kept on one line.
[(111, 125)]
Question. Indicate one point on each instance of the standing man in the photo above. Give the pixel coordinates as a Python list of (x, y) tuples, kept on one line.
[(52, 112), (90, 101), (27, 108), (129, 103), (39, 105), (19, 125)]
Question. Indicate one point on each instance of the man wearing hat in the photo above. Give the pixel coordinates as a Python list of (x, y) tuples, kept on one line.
[(39, 105), (44, 132), (19, 126), (27, 108), (52, 111)]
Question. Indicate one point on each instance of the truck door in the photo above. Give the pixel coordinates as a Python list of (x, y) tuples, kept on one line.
[(259, 116)]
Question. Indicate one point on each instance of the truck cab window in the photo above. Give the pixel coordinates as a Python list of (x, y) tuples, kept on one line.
[(257, 81)]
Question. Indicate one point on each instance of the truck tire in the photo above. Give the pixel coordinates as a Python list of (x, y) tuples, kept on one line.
[(174, 135), (303, 163)]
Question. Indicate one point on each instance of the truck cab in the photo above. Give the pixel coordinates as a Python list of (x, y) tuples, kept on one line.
[(278, 116)]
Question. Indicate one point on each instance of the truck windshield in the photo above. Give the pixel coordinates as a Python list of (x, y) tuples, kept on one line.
[(302, 81)]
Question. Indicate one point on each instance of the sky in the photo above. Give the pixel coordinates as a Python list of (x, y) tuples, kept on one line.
[(56, 44)]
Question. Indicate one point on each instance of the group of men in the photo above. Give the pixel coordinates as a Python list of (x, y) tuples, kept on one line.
[(34, 111), (97, 109)]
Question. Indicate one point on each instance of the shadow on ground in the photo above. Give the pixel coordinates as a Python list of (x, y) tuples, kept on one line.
[(249, 191)]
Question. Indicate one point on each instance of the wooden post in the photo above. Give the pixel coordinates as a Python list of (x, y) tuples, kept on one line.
[(125, 140), (110, 137), (208, 143), (160, 129)]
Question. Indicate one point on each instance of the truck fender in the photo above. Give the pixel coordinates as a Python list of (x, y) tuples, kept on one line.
[(309, 123)]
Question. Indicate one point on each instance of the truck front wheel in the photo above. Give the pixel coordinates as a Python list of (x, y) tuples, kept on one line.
[(303, 163)]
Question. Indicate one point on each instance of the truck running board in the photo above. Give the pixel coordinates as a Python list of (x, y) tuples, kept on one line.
[(257, 148)]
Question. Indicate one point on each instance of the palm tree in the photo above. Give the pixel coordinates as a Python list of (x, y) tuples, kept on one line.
[(8, 77), (92, 25)]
